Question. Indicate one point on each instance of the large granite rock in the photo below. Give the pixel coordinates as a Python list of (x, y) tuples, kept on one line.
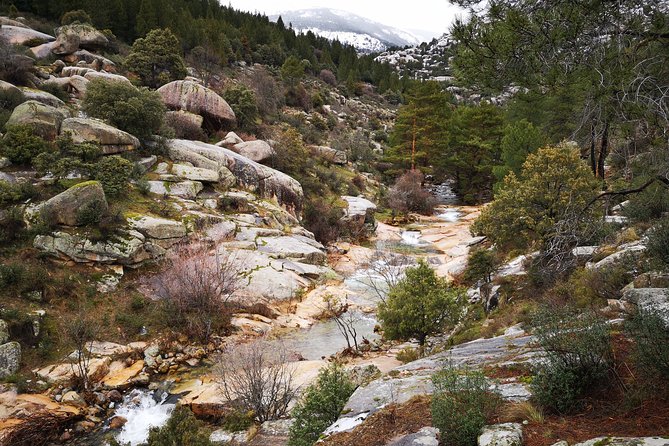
[(110, 77), (505, 434), (230, 140), (190, 96), (16, 35), (183, 189), (43, 119), (329, 154), (158, 228), (65, 207), (6, 87), (254, 150), (44, 97), (125, 249), (185, 172), (262, 180), (653, 300), (293, 247), (110, 139), (629, 251), (44, 50), (10, 359), (72, 37)]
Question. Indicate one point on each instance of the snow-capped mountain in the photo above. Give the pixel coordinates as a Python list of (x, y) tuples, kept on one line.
[(365, 35)]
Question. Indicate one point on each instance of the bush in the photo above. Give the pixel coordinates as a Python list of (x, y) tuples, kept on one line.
[(11, 193), (156, 58), (114, 173), (137, 111), (12, 224), (321, 405), (328, 77), (297, 96), (648, 205), (578, 356), (323, 219), (243, 103), (21, 145), (77, 16), (90, 213), (650, 330), (182, 428), (481, 265), (419, 305), (184, 128), (658, 242), (9, 99), (461, 405), (408, 195)]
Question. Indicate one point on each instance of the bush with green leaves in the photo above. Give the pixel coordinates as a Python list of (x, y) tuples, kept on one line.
[(20, 145), (181, 429), (419, 305), (156, 58), (243, 103), (461, 405), (114, 173), (68, 158), (9, 99), (649, 327), (578, 356), (650, 204), (321, 405), (140, 112), (11, 193), (76, 16), (481, 265), (658, 243)]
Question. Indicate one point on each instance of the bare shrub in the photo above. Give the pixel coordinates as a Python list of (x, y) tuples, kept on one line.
[(408, 195), (35, 429), (257, 377), (328, 77), (196, 285), (269, 96), (81, 331), (345, 319), (384, 270)]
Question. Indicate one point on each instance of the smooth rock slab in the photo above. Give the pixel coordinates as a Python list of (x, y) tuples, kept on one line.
[(43, 119), (184, 189), (195, 173), (254, 150), (17, 35), (505, 434), (111, 139), (159, 228), (44, 97), (294, 247)]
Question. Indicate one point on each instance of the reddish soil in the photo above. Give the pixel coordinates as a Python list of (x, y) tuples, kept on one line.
[(386, 424)]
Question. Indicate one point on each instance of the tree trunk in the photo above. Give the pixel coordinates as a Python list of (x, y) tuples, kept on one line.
[(603, 151), (593, 158)]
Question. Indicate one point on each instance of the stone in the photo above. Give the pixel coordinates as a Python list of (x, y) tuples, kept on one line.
[(181, 115), (75, 71), (10, 88), (10, 358), (125, 249), (110, 139), (230, 140), (117, 422), (44, 97), (653, 279), (184, 189), (43, 51), (45, 120), (193, 97), (294, 247), (122, 379), (262, 180), (84, 35), (628, 251), (358, 206), (584, 253), (625, 441), (4, 332), (17, 35), (66, 43), (427, 436), (147, 162), (159, 228), (616, 219), (74, 399), (65, 207), (505, 434), (195, 173), (92, 75), (329, 154), (254, 150), (655, 300), (221, 436)]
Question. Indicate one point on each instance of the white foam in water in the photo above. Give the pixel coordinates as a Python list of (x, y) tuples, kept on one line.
[(449, 214), (142, 413), (411, 238)]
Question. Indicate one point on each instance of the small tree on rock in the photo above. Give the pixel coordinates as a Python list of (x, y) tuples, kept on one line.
[(419, 305)]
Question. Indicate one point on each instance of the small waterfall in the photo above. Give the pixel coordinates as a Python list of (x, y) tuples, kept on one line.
[(449, 214), (143, 411), (411, 238)]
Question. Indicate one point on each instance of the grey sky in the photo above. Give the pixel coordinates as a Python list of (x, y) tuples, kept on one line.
[(429, 15)]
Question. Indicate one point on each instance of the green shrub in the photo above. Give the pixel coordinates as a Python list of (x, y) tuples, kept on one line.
[(77, 16), (650, 330), (321, 405), (114, 172), (237, 421), (658, 242), (648, 205), (137, 111), (578, 355), (181, 429), (15, 192), (461, 405), (90, 213), (419, 305), (481, 265), (21, 145), (243, 103), (12, 225)]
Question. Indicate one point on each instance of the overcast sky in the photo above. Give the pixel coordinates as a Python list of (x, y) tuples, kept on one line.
[(434, 16)]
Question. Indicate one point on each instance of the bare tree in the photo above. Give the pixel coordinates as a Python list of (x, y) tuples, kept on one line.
[(196, 285), (345, 319), (384, 270), (81, 331), (258, 377)]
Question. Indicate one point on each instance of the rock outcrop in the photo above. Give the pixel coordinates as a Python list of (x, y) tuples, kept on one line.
[(10, 358), (124, 249), (257, 151), (43, 119), (110, 139), (66, 207), (262, 180), (72, 37), (329, 154), (16, 35), (192, 97)]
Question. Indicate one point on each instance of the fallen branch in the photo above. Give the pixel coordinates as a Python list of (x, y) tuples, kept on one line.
[(637, 190)]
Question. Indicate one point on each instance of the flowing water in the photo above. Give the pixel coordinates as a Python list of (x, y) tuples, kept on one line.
[(143, 409)]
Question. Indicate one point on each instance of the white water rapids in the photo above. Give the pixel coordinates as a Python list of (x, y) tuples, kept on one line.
[(143, 412)]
